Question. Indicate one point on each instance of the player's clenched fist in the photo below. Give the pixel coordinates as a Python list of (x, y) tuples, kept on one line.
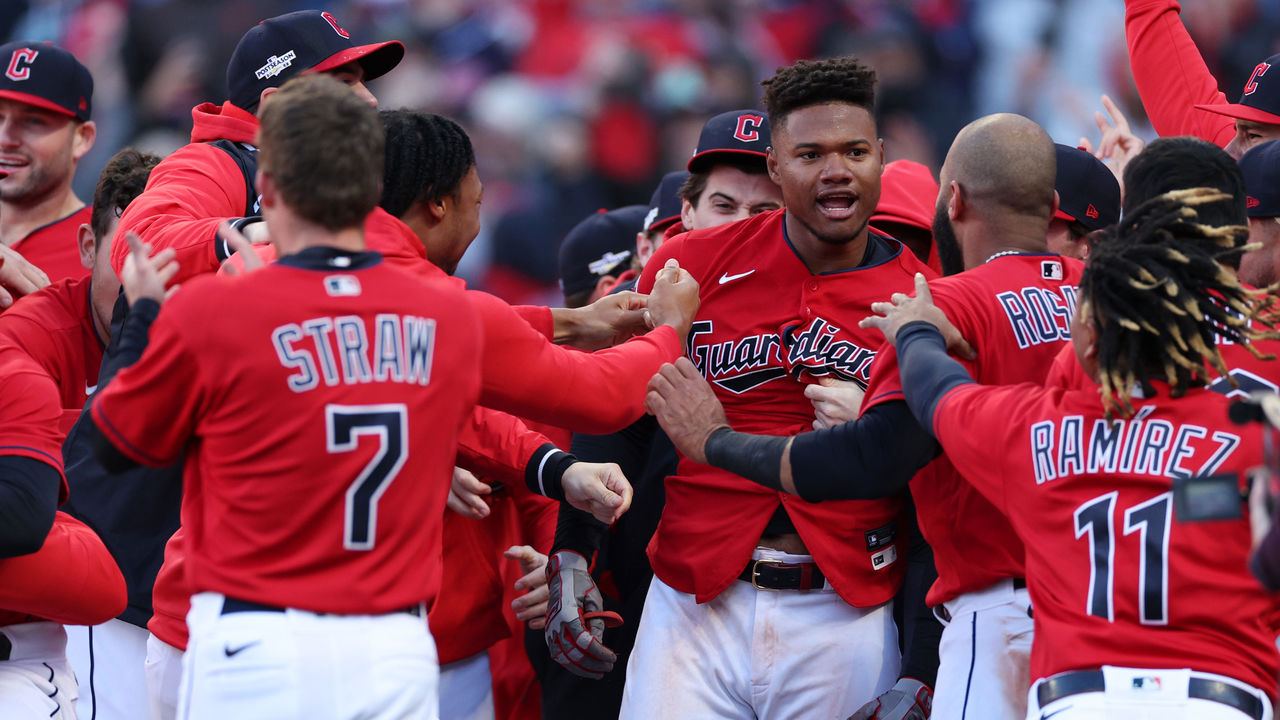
[(575, 623), (674, 299), (686, 407), (598, 488)]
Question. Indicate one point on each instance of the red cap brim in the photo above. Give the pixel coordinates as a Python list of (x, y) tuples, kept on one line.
[(1243, 112), (36, 101), (1059, 215), (377, 59), (703, 158)]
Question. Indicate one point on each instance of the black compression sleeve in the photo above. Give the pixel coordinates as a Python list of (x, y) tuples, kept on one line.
[(134, 335), (28, 500), (874, 456), (757, 458), (927, 372), (578, 531), (921, 631)]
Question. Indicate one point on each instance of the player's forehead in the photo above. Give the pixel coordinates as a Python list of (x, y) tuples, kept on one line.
[(740, 186), (826, 125)]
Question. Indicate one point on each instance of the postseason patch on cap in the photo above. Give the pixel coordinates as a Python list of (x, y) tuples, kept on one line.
[(276, 64)]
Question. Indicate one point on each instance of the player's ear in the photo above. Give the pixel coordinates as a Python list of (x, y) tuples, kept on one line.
[(1057, 202), (87, 245), (771, 164), (644, 248), (955, 203), (437, 208), (85, 134), (266, 188), (686, 212), (266, 93)]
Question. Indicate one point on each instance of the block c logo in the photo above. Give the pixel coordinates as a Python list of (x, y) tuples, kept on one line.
[(1258, 72), (333, 23), (20, 64), (748, 129)]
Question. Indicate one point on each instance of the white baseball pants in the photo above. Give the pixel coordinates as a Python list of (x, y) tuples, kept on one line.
[(164, 677), (36, 681), (984, 659), (758, 654), (466, 689), (108, 662), (298, 664)]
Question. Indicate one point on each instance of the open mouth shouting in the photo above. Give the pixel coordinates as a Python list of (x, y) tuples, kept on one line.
[(837, 205)]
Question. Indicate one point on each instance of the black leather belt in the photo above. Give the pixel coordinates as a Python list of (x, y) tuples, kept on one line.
[(1082, 681), (6, 647), (778, 575), (232, 605)]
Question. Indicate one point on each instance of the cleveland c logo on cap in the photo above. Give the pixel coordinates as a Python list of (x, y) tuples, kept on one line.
[(20, 64), (748, 129), (1258, 72), (333, 22)]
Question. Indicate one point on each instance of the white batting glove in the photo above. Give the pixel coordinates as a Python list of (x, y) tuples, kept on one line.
[(908, 699), (575, 623)]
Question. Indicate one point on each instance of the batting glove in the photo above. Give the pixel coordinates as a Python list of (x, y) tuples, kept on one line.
[(575, 623), (908, 699)]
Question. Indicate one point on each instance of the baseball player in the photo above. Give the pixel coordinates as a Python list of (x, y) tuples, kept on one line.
[(1014, 300), (1179, 93), (45, 104), (63, 329), (905, 210), (1088, 200), (1260, 167), (664, 213), (1144, 603), (763, 605), (595, 255)]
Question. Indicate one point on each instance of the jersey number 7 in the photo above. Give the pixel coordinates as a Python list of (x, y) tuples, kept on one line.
[(344, 424)]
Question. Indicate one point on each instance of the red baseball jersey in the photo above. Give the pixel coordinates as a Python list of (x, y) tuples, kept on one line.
[(71, 579), (55, 327), (1116, 577), (55, 248), (318, 407), (1016, 312), (767, 325)]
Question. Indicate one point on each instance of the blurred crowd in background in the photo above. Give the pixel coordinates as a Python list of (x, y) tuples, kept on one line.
[(577, 105)]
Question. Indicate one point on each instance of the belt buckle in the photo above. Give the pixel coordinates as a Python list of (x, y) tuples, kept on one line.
[(755, 571)]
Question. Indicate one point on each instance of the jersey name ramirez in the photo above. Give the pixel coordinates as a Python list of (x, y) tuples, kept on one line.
[(751, 361), (1039, 315), (1140, 446), (338, 350)]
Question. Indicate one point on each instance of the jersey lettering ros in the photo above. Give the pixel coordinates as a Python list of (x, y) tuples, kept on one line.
[(766, 327), (1115, 577), (1016, 310), (319, 407)]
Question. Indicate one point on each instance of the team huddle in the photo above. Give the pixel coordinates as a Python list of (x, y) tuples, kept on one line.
[(813, 436)]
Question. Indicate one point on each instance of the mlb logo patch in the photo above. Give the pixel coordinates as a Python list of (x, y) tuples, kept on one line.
[(1051, 270), (884, 558), (342, 286), (1147, 684)]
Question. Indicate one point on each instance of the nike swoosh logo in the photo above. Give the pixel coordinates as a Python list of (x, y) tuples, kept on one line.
[(90, 389), (236, 651), (730, 278)]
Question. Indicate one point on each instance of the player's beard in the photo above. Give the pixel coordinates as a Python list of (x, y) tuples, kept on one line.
[(40, 180), (944, 239)]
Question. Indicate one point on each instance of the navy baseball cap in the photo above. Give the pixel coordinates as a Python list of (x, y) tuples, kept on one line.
[(1088, 191), (600, 245), (743, 134), (1260, 98), (46, 76), (278, 48), (665, 205), (1261, 169)]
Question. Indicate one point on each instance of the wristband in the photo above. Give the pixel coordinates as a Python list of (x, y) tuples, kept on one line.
[(544, 473)]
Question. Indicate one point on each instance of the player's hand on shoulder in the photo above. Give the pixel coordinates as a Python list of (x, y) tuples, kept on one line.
[(18, 277), (145, 274), (610, 320), (531, 607), (674, 299), (890, 317), (598, 488), (575, 617), (835, 402), (908, 699), (686, 407), (467, 494), (244, 259)]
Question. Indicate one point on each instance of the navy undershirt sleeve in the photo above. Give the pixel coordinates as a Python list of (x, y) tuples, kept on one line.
[(28, 500), (927, 372)]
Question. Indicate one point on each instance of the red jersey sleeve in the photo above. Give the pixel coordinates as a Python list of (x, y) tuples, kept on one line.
[(30, 413), (188, 195), (670, 249), (72, 579), (1171, 75), (539, 318), (150, 409), (527, 376), (497, 446), (996, 413)]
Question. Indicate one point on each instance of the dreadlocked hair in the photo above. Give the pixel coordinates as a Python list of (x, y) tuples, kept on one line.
[(1160, 298), (427, 156), (815, 82)]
